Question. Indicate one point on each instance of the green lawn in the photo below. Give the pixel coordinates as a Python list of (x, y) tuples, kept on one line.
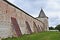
[(38, 36)]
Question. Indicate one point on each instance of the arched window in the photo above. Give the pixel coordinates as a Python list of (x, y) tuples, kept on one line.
[(28, 27), (16, 26)]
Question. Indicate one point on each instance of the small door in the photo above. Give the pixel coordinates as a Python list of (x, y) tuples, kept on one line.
[(16, 26), (28, 27)]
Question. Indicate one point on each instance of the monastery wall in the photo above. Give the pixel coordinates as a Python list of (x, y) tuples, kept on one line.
[(26, 22)]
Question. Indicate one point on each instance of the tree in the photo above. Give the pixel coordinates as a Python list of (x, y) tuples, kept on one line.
[(51, 28), (58, 27)]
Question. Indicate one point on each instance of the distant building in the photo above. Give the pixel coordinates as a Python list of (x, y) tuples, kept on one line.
[(16, 22)]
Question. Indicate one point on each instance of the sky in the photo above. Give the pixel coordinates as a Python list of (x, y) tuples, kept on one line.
[(33, 7)]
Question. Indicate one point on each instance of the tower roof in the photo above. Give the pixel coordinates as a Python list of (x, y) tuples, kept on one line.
[(42, 14)]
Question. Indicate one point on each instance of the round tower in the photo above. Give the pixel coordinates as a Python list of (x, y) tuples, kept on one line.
[(42, 17)]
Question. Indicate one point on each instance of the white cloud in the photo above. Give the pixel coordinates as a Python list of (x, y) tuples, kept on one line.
[(53, 4), (11, 1)]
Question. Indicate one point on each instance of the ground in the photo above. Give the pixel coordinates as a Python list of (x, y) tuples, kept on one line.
[(38, 36)]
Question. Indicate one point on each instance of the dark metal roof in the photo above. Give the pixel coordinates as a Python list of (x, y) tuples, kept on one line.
[(42, 14), (21, 10)]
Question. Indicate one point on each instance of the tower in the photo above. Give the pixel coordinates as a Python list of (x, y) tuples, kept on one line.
[(42, 17)]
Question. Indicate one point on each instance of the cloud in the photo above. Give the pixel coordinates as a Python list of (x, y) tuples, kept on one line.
[(12, 1), (54, 21), (30, 6)]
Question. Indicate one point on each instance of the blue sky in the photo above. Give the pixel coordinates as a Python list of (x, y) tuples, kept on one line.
[(50, 7)]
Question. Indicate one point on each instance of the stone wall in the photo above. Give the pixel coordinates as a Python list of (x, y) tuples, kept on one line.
[(45, 21), (6, 29)]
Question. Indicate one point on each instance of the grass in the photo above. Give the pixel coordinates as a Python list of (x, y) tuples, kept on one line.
[(38, 36)]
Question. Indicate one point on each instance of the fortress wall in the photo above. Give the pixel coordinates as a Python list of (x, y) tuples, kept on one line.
[(39, 24), (5, 24), (45, 21), (6, 29)]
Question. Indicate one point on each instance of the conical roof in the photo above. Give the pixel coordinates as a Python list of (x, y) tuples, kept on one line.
[(42, 14)]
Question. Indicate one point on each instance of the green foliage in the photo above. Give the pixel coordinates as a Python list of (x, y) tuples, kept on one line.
[(38, 36), (58, 27), (51, 28)]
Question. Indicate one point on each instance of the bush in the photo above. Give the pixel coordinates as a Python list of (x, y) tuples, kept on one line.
[(58, 27), (51, 28)]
